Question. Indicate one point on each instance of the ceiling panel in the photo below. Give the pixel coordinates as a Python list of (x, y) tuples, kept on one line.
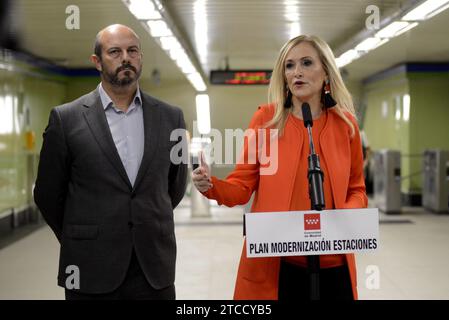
[(248, 32), (44, 33), (428, 42)]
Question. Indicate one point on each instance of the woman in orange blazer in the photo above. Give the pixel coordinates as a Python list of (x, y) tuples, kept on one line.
[(305, 71)]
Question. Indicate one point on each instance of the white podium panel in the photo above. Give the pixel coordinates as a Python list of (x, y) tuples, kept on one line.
[(301, 233)]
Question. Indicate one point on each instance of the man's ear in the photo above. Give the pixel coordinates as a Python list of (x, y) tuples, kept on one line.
[(96, 60)]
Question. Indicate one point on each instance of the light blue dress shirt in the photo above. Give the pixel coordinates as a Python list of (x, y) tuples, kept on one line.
[(127, 131)]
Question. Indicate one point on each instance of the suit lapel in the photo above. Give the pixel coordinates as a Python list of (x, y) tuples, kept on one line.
[(152, 127), (98, 124)]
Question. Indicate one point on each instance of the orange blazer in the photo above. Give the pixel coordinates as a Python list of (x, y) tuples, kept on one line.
[(257, 278)]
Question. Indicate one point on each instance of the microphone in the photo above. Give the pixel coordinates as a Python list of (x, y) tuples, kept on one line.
[(315, 174), (316, 193), (307, 115)]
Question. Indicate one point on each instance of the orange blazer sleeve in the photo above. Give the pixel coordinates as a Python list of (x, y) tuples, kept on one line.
[(238, 186), (356, 195)]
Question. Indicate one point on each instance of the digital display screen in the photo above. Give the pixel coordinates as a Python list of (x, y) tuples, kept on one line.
[(240, 77)]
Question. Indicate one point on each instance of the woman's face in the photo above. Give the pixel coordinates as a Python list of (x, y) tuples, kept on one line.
[(304, 72)]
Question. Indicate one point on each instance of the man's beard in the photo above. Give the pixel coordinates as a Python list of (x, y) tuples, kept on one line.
[(112, 77)]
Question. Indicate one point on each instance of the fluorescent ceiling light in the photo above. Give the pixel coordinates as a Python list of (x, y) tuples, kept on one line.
[(176, 53), (143, 9), (291, 13), (410, 26), (201, 30), (149, 11), (295, 29), (158, 28), (203, 113), (395, 29), (168, 43), (347, 58), (183, 61), (368, 44), (181, 56), (189, 68), (186, 65), (426, 10), (197, 81)]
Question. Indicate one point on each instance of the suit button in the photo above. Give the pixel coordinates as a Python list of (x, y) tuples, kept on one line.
[(130, 224)]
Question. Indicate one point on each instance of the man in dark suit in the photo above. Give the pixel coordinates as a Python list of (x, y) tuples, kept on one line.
[(110, 175)]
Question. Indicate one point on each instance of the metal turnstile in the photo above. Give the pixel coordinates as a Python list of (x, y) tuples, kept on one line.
[(435, 192), (387, 180)]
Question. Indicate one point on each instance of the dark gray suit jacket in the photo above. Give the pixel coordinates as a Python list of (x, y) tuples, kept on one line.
[(84, 194)]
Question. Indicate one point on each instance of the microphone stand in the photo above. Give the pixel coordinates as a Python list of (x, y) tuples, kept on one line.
[(316, 194)]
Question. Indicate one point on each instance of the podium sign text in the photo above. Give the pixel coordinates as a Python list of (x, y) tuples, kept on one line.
[(302, 233)]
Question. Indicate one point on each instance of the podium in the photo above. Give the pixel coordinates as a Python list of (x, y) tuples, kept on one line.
[(311, 233), (304, 233)]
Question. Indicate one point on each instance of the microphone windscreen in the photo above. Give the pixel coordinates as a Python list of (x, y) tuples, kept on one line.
[(307, 115)]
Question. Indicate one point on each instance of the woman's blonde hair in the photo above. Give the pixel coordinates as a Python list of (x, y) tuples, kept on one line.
[(278, 86)]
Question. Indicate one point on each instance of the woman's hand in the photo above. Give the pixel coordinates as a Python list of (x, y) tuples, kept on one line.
[(201, 175)]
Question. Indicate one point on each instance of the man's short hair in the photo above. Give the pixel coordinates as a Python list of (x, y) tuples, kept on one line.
[(97, 47)]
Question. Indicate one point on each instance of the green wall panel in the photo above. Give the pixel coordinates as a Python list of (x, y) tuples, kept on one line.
[(408, 112), (25, 93)]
